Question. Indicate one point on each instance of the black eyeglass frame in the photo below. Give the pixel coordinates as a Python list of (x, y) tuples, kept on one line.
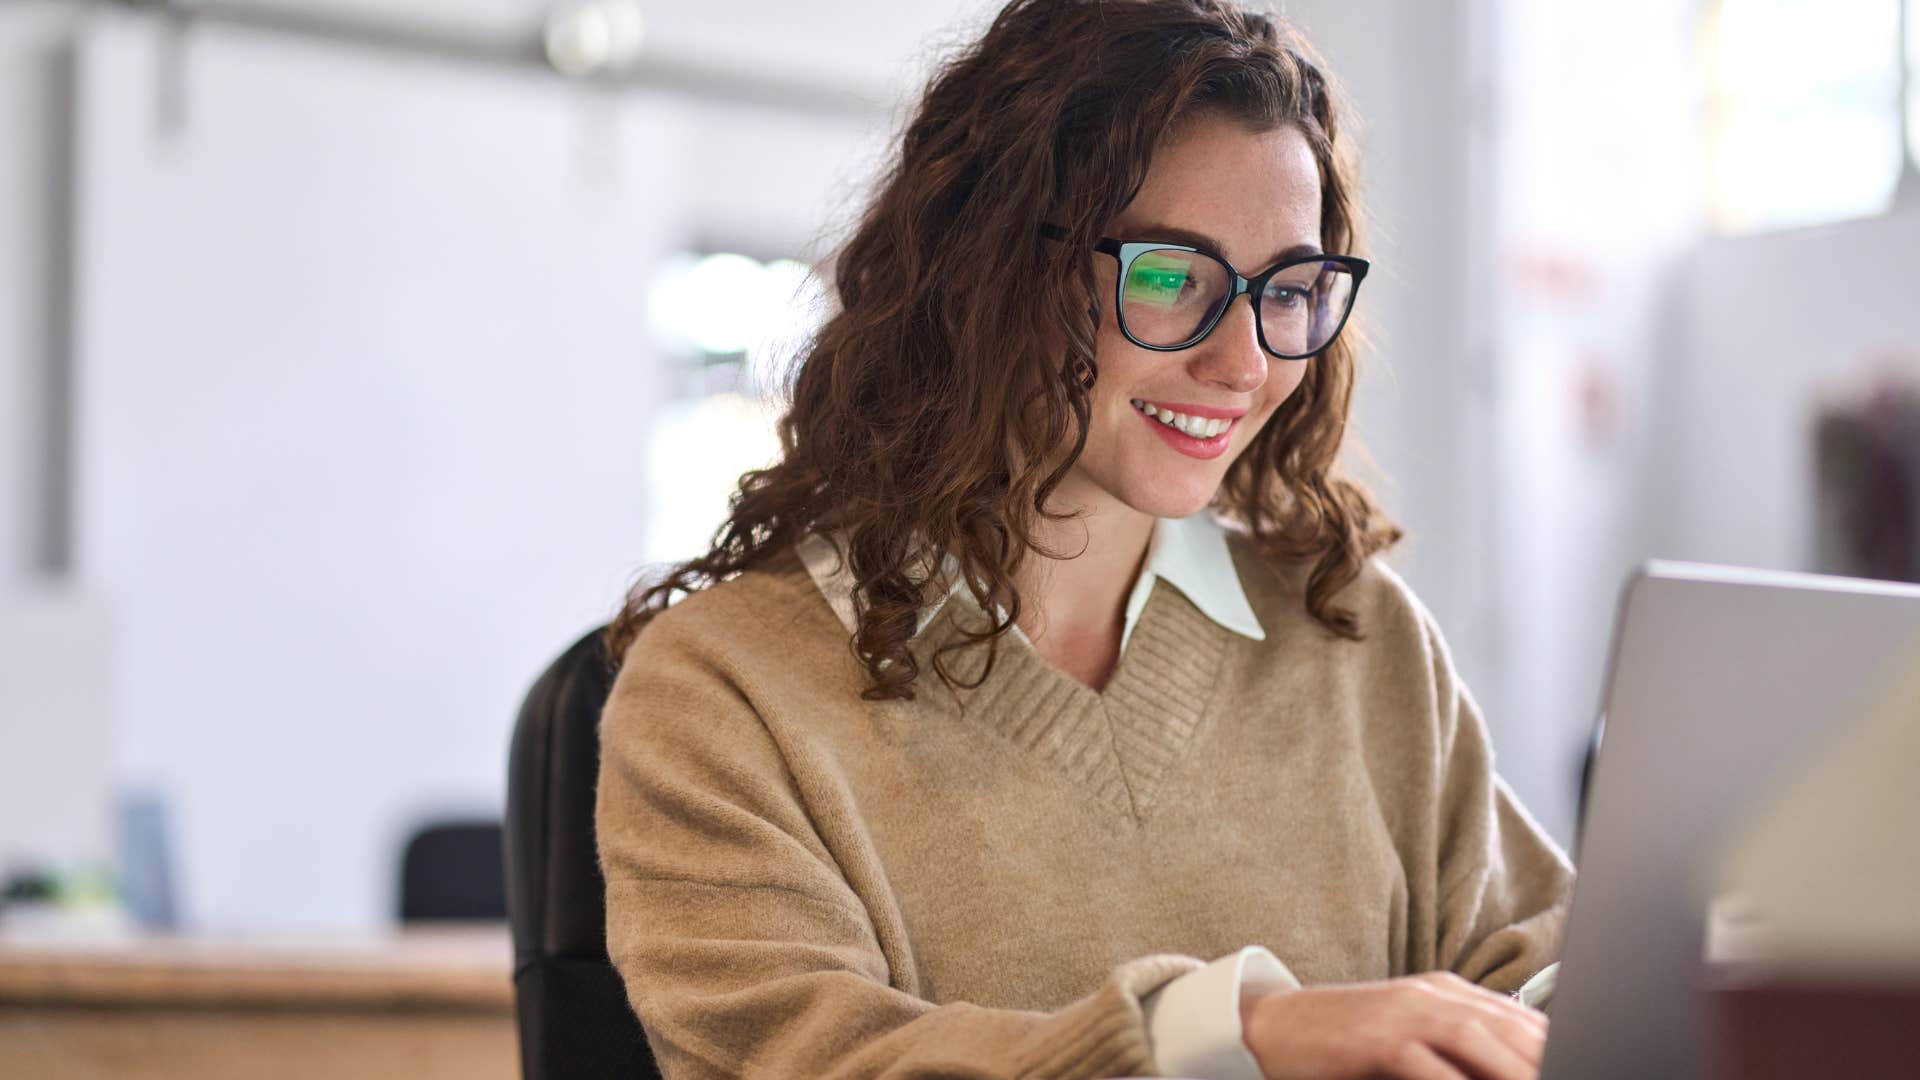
[(1125, 251)]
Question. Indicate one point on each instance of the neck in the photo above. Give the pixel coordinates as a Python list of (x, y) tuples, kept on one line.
[(1077, 603)]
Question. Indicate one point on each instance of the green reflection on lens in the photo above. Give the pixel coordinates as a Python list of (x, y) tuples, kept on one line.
[(1155, 278)]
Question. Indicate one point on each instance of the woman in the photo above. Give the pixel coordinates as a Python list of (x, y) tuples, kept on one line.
[(1045, 710)]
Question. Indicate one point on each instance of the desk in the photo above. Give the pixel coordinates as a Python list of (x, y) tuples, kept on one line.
[(1772, 1026), (420, 1004)]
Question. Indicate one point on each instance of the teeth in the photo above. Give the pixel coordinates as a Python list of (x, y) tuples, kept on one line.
[(1198, 427)]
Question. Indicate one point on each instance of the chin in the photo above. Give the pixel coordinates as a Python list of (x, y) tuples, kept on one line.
[(1170, 501)]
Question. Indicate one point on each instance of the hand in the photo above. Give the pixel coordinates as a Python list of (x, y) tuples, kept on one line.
[(1435, 1026)]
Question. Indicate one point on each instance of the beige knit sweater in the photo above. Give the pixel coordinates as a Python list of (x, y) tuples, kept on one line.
[(801, 883)]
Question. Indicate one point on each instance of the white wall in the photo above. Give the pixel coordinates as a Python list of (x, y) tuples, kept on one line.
[(350, 331), (359, 337), (1776, 324), (55, 746), (56, 769), (1598, 198)]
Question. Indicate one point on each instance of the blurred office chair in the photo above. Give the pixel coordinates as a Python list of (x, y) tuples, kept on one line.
[(572, 1007), (452, 871)]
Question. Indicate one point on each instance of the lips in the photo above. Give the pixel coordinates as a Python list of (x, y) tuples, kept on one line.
[(1193, 446), (1196, 426)]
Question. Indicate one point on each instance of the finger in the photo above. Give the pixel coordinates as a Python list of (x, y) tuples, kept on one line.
[(1519, 1033), (1526, 1034), (1485, 1055), (1491, 1002), (1416, 1061), (1467, 987), (1455, 1000)]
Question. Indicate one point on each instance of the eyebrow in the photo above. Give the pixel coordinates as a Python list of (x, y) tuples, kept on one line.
[(1202, 240)]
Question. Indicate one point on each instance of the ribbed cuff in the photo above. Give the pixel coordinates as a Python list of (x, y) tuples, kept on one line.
[(1107, 1032)]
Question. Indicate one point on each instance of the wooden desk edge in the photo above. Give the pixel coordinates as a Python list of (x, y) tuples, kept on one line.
[(470, 972)]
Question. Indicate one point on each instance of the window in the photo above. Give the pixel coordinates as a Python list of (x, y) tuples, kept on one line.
[(1804, 110), (730, 325)]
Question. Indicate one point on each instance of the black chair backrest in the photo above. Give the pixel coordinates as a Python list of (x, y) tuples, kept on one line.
[(572, 1007), (452, 870)]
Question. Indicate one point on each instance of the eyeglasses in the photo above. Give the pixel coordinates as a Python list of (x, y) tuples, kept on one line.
[(1171, 296)]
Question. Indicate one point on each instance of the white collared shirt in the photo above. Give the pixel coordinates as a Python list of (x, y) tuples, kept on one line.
[(1193, 1021), (1188, 553)]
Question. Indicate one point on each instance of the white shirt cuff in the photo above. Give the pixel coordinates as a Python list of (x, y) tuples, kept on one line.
[(1538, 991), (1193, 1022)]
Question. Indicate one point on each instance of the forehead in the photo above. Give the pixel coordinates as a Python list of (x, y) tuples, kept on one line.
[(1256, 192)]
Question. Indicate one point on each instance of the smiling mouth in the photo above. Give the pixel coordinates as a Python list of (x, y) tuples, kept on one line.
[(1197, 427)]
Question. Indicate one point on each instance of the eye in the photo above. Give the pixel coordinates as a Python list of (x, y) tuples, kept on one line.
[(1293, 289), (1286, 296)]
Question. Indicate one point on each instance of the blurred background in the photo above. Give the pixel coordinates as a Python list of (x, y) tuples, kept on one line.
[(356, 354)]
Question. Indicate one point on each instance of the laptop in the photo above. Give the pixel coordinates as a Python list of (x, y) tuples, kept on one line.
[(1720, 682)]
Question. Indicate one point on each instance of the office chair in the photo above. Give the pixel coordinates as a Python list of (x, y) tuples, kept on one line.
[(572, 1008), (451, 870)]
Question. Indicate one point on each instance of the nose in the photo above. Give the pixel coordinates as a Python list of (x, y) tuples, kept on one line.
[(1231, 356)]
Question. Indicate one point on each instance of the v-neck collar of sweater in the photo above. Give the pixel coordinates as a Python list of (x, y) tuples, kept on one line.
[(1119, 743)]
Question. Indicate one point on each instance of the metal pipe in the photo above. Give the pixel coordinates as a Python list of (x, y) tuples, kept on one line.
[(655, 73)]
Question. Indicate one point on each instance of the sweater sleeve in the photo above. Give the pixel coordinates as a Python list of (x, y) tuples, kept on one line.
[(745, 950), (1504, 885)]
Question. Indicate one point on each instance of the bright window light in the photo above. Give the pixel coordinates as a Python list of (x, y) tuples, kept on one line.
[(696, 451), (713, 303), (1805, 112), (796, 302), (723, 305), (732, 307), (1913, 81)]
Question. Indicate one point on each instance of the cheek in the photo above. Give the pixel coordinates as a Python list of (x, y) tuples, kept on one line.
[(1283, 379), (1123, 365)]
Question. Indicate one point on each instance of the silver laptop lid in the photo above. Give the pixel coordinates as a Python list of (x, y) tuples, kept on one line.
[(1720, 680)]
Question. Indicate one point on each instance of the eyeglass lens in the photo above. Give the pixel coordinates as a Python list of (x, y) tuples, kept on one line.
[(1171, 297)]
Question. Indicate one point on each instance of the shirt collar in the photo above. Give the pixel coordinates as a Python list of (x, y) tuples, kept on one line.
[(1188, 553), (1191, 554)]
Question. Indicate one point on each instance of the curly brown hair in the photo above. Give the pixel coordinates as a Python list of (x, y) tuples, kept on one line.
[(929, 412)]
